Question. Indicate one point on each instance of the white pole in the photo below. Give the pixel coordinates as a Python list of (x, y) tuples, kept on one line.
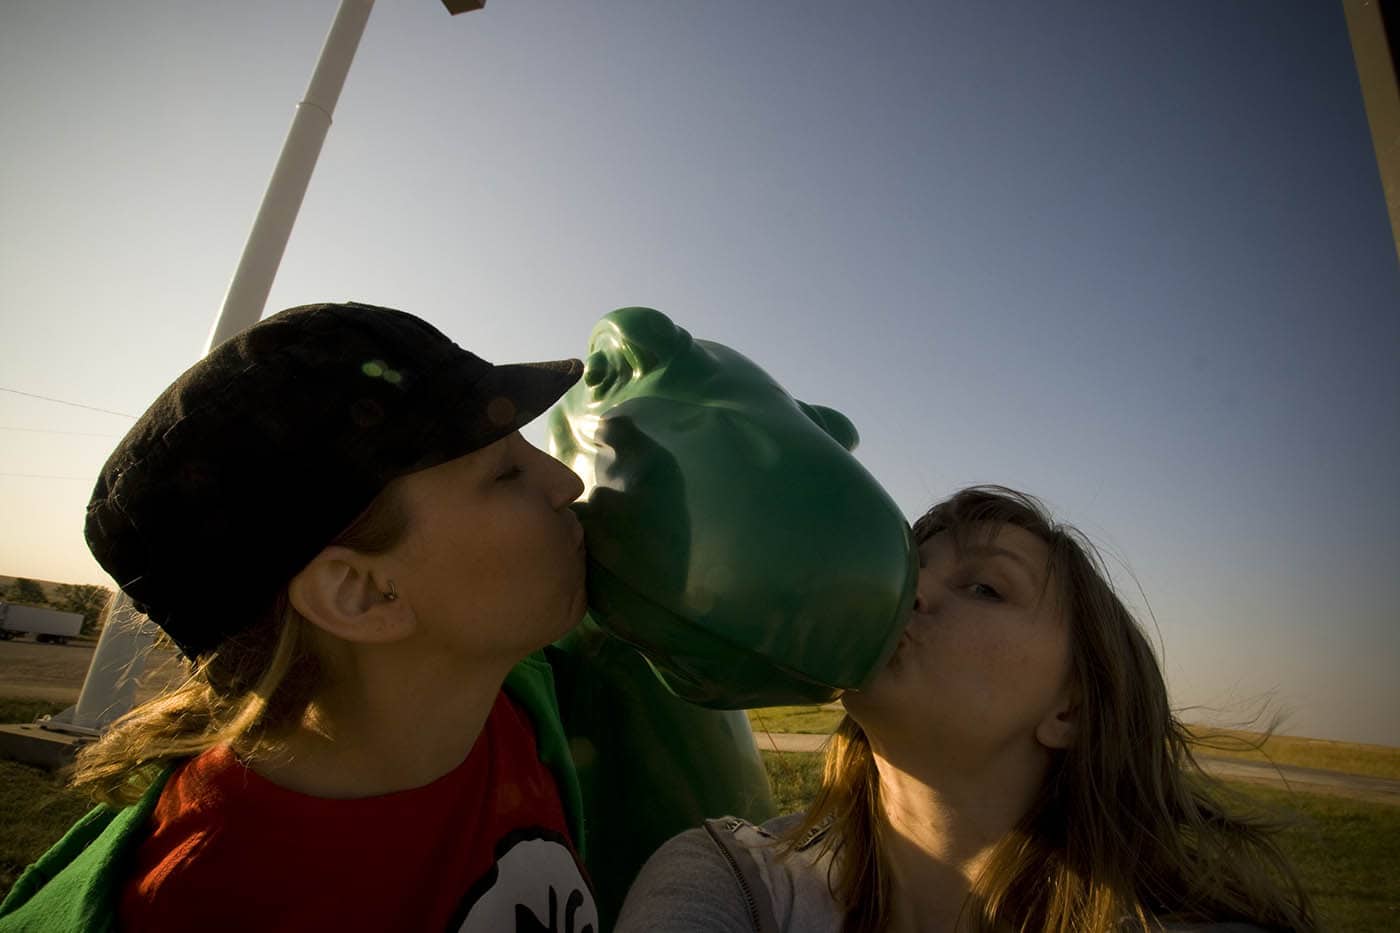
[(109, 690), (110, 686), (247, 293), (1377, 65)]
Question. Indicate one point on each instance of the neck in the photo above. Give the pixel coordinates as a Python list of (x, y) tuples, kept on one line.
[(384, 721), (941, 822)]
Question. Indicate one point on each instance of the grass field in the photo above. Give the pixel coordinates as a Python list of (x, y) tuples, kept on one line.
[(35, 808), (1352, 758), (1345, 850), (27, 710), (805, 720)]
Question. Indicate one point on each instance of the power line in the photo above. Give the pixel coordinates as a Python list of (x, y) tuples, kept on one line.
[(105, 411), (6, 427)]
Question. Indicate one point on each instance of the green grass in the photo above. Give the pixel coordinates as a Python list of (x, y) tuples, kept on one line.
[(35, 810), (35, 806), (26, 711), (1344, 850), (795, 777), (812, 720)]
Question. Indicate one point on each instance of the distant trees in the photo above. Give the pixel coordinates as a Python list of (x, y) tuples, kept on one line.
[(83, 598), (27, 592)]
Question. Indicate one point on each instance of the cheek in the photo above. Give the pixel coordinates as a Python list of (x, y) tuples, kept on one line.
[(994, 667), (1036, 673), (471, 555), (526, 548)]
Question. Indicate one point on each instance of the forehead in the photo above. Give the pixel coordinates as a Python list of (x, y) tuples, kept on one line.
[(984, 537)]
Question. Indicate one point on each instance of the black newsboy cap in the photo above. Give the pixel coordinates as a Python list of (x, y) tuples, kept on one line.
[(260, 454)]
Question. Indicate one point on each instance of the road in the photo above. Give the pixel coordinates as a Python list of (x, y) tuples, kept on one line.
[(55, 672)]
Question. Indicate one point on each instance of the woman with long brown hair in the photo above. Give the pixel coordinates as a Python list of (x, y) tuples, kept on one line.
[(1016, 766)]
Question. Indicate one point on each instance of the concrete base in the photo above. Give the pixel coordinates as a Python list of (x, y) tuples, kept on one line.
[(31, 745)]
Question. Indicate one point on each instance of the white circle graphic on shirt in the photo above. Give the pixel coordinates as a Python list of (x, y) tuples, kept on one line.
[(534, 887)]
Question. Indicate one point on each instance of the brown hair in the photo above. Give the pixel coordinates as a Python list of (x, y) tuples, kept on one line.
[(249, 692), (1126, 826)]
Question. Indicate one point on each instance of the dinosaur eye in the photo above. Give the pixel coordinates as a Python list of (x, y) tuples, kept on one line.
[(606, 367), (595, 369)]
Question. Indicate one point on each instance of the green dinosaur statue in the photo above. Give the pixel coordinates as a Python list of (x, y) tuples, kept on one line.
[(732, 538), (737, 545)]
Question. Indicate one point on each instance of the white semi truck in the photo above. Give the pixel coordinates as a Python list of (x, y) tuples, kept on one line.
[(46, 625)]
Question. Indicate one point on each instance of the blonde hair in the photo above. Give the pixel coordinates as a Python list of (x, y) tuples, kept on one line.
[(1126, 826), (249, 693)]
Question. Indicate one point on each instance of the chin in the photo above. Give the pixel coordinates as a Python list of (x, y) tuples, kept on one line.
[(880, 702), (578, 608), (856, 702)]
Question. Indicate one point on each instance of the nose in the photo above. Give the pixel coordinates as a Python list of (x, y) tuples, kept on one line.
[(562, 483), (924, 591), (570, 487)]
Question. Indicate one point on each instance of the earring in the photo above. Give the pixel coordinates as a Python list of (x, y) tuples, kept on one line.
[(392, 594)]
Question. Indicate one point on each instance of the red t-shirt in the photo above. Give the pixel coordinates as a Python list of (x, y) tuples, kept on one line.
[(484, 847)]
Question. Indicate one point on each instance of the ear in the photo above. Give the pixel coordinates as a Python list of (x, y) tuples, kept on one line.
[(341, 592), (1060, 725)]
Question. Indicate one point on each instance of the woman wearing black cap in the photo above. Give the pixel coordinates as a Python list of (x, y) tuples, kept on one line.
[(334, 516)]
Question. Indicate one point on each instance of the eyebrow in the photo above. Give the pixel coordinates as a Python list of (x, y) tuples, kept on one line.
[(989, 550), (489, 467)]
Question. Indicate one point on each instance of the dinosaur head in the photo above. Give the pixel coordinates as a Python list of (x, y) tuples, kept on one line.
[(732, 537)]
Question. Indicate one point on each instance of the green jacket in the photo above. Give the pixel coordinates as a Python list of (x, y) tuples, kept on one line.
[(75, 885)]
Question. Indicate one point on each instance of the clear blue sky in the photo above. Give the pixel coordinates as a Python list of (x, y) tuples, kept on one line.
[(1133, 259)]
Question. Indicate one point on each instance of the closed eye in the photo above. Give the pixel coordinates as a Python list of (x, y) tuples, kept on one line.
[(984, 591), (510, 474)]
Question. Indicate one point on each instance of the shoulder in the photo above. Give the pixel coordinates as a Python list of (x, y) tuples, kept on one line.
[(733, 875), (686, 885), (758, 837)]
